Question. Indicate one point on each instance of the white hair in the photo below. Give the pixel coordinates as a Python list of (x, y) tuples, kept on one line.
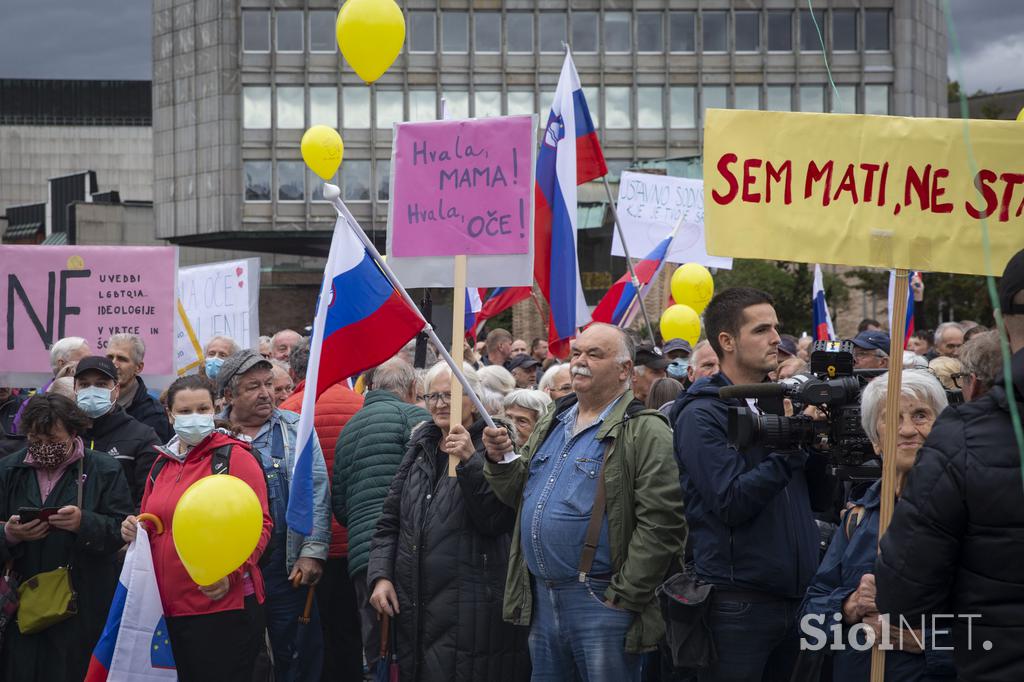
[(62, 350), (912, 360), (232, 344), (497, 379), (941, 329), (528, 399), (138, 348), (442, 367), (548, 379), (916, 383)]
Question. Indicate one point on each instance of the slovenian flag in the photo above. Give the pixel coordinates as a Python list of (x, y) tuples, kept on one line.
[(134, 644), (569, 155), (908, 330), (361, 321), (473, 305), (823, 329), (612, 308), (499, 300)]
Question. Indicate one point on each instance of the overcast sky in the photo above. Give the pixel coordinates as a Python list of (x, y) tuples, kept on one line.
[(111, 39)]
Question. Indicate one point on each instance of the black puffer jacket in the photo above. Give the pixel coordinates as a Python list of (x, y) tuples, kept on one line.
[(130, 442), (956, 543), (148, 410), (444, 543)]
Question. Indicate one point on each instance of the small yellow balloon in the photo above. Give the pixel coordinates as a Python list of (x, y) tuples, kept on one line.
[(693, 286), (216, 527), (370, 35), (680, 322), (322, 150), (1020, 116)]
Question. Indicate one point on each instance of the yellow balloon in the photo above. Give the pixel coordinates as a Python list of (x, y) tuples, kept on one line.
[(322, 150), (370, 35), (1020, 116), (680, 322), (693, 286), (216, 527)]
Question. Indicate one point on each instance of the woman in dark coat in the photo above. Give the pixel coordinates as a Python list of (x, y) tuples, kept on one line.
[(440, 553), (85, 537)]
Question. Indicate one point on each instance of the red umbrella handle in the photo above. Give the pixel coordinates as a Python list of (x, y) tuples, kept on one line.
[(385, 627)]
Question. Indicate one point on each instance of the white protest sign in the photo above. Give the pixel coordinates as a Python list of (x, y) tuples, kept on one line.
[(649, 206), (217, 299)]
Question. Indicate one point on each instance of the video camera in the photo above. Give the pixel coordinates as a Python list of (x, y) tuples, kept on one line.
[(834, 388)]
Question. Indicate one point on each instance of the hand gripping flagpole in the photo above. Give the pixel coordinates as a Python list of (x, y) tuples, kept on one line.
[(333, 194), (629, 261)]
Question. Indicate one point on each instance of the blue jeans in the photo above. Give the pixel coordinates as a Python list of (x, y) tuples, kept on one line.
[(298, 649), (754, 640), (575, 636)]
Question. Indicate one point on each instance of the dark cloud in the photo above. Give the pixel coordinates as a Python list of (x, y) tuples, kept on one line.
[(991, 37)]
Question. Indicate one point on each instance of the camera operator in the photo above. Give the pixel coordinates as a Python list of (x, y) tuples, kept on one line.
[(754, 537)]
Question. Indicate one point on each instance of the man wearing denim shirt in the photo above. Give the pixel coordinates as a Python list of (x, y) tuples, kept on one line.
[(246, 382), (590, 623)]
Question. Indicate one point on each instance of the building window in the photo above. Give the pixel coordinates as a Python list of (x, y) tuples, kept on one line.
[(617, 32), (421, 32), (617, 110), (519, 32), (486, 103), (747, 97), (487, 31), (584, 31), (255, 31), (520, 102), (876, 29), (316, 185), (323, 106), (289, 31), (422, 105), (681, 106), (454, 32), (552, 31), (648, 107), (713, 97), (457, 102), (780, 31), (291, 110), (846, 101), (876, 99), (257, 180), (355, 107), (812, 98), (844, 30), (291, 181), (715, 31), (321, 31), (389, 108), (809, 41), (748, 31), (681, 31), (256, 106), (383, 169), (592, 96), (355, 180), (778, 98), (649, 36)]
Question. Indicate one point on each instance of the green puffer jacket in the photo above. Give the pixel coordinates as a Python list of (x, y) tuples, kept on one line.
[(646, 527), (366, 457)]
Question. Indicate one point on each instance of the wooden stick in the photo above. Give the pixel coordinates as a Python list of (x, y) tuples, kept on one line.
[(897, 331), (458, 341)]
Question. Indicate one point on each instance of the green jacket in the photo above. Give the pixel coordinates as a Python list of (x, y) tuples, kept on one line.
[(646, 527)]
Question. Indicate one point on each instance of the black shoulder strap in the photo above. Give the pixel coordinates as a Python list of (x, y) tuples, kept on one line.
[(220, 464), (155, 470)]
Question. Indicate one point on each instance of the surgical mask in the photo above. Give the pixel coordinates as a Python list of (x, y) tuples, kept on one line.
[(193, 428), (94, 401), (677, 368), (213, 366)]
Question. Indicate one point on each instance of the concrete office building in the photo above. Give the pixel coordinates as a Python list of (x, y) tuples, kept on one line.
[(235, 85)]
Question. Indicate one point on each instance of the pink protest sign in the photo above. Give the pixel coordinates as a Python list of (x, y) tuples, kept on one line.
[(462, 187), (49, 292)]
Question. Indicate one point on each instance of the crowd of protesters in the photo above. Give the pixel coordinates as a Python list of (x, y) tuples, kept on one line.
[(538, 549)]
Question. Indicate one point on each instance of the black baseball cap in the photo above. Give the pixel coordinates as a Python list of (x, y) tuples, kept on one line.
[(1011, 283), (239, 363), (650, 356), (523, 361), (872, 339), (96, 363)]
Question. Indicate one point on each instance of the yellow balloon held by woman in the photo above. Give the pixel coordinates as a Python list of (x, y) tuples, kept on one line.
[(680, 322), (370, 35), (322, 150), (693, 286), (216, 527)]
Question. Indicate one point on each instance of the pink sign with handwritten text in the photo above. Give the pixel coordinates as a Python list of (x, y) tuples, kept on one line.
[(462, 187)]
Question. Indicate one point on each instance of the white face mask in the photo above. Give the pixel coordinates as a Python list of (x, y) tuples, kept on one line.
[(95, 401), (193, 428)]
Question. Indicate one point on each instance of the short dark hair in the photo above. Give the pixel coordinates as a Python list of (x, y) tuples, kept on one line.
[(868, 322), (298, 359), (725, 312), (190, 382), (534, 342), (47, 410), (924, 335)]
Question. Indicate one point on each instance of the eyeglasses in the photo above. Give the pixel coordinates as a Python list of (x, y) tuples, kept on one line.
[(959, 379), (564, 387), (438, 398)]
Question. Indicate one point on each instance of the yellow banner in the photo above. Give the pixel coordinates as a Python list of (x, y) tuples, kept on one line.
[(871, 191)]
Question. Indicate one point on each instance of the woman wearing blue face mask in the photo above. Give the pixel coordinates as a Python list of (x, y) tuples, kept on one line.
[(229, 611)]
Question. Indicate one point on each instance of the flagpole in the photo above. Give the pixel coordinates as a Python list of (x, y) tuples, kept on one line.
[(333, 194), (629, 260)]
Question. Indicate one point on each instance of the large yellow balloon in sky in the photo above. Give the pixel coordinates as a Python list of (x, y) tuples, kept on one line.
[(370, 35), (692, 285), (680, 322)]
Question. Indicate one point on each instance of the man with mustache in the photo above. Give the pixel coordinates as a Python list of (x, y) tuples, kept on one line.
[(582, 573), (246, 381)]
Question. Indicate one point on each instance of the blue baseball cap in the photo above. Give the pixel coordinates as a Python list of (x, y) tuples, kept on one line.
[(872, 340)]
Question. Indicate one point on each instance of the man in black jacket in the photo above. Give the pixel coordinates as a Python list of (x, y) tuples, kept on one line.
[(113, 430), (128, 353), (956, 542)]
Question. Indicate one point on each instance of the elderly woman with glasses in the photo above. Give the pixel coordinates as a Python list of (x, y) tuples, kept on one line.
[(440, 553), (843, 590)]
